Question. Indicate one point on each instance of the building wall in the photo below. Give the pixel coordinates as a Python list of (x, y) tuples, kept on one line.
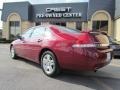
[(96, 5), (26, 24), (22, 8), (102, 15), (5, 32), (84, 25), (117, 20), (117, 29), (71, 25), (90, 25), (93, 10), (117, 8), (75, 8)]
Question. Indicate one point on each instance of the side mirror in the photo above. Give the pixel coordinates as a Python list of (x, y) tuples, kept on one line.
[(19, 37)]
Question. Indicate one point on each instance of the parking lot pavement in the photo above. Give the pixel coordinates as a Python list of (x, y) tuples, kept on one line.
[(25, 75)]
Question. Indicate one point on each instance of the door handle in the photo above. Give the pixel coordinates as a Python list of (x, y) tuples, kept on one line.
[(39, 40), (23, 41)]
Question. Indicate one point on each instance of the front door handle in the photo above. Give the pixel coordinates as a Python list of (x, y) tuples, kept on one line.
[(39, 40)]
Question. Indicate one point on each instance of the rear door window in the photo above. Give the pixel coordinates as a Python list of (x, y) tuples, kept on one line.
[(38, 32), (28, 33), (48, 33)]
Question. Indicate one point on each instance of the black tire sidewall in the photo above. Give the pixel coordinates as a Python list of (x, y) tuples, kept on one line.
[(15, 55), (54, 73)]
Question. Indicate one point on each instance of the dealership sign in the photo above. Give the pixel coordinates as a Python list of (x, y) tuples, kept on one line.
[(63, 12)]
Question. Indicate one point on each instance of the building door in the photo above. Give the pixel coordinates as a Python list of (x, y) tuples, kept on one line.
[(14, 29)]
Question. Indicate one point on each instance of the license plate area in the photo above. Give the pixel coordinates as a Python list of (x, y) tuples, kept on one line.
[(109, 56)]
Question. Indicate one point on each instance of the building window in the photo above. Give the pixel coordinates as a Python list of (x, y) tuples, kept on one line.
[(14, 29), (79, 26), (100, 26), (59, 23)]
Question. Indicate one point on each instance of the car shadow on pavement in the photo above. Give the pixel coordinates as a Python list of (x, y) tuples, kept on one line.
[(90, 80), (29, 62), (116, 57)]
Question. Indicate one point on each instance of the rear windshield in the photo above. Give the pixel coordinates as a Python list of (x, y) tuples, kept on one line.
[(68, 30)]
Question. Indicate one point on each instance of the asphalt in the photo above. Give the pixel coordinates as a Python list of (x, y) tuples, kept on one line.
[(25, 75)]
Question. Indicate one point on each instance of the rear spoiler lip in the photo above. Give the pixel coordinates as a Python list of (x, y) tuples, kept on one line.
[(98, 32), (105, 51)]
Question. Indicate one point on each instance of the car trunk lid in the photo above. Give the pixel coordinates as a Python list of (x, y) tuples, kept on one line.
[(101, 41)]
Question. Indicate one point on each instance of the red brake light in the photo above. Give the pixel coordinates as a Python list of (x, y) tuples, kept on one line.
[(83, 41)]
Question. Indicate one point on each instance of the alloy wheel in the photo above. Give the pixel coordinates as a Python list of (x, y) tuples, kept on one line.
[(48, 64)]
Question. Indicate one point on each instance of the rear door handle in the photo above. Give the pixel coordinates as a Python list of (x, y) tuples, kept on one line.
[(23, 41), (39, 40)]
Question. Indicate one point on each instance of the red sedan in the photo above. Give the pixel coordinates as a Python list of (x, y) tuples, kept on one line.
[(57, 48)]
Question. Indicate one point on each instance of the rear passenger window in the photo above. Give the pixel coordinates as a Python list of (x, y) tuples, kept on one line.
[(48, 33), (38, 32), (28, 33)]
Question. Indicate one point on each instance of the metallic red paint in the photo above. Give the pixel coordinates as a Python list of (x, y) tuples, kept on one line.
[(61, 44)]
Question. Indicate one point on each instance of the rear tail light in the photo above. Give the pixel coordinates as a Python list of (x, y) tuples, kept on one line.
[(87, 41), (89, 45), (83, 45), (84, 41)]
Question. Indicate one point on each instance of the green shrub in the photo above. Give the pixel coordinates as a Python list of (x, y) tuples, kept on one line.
[(3, 40)]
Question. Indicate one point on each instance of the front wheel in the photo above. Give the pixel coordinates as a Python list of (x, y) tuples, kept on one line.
[(49, 64), (12, 53)]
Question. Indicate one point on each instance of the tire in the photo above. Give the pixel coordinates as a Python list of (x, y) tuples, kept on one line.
[(49, 64), (12, 53)]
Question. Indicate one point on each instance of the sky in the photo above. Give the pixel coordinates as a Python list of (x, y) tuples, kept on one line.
[(37, 2)]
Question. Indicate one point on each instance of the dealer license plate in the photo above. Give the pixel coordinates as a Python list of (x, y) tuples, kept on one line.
[(108, 56)]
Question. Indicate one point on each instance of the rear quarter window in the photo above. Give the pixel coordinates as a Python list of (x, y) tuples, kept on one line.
[(68, 30), (48, 33), (38, 32)]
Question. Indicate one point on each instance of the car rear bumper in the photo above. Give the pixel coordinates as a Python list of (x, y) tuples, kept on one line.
[(92, 59), (103, 62)]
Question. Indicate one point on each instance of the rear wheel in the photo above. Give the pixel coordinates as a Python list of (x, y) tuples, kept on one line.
[(49, 64), (13, 54)]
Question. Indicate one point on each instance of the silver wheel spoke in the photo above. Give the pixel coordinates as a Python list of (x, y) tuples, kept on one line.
[(48, 57), (50, 68), (48, 64), (44, 61), (52, 63)]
